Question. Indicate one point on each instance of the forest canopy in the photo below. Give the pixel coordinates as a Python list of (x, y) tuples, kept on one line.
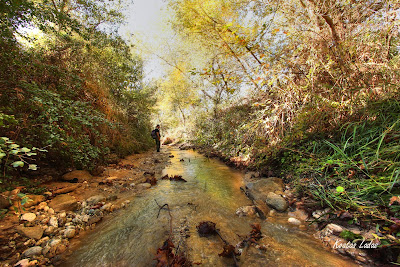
[(304, 89)]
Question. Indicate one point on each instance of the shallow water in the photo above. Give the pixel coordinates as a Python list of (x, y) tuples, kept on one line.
[(212, 192)]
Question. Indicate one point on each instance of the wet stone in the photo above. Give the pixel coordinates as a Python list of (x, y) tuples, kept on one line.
[(33, 251)]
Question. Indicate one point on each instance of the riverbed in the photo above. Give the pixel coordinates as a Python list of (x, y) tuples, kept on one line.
[(211, 193)]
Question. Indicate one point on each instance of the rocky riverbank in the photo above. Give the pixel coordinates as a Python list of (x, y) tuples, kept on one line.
[(40, 230), (338, 230)]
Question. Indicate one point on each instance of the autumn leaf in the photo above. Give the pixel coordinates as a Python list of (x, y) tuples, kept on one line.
[(393, 200)]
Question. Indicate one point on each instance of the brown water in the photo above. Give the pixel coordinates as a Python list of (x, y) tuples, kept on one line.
[(212, 192)]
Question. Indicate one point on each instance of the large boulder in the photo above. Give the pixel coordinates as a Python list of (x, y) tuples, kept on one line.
[(35, 232), (63, 202), (77, 176), (277, 202)]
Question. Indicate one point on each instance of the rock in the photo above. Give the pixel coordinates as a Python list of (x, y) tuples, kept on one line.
[(246, 211), (321, 214), (334, 228), (42, 241), (277, 202), (26, 263), (63, 202), (31, 242), (94, 219), (22, 263), (299, 214), (49, 210), (78, 176), (42, 206), (69, 233), (35, 232), (30, 217), (33, 251), (53, 221), (4, 202), (98, 170), (55, 247), (112, 198), (32, 201), (50, 230), (294, 221), (260, 188), (106, 207), (48, 194), (66, 189), (144, 186), (95, 199), (250, 175)]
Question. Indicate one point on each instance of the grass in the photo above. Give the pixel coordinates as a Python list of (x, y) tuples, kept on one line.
[(364, 159)]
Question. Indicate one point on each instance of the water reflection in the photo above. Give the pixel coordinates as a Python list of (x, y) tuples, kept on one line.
[(212, 192)]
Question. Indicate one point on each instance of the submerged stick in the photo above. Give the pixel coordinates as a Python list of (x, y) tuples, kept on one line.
[(170, 216)]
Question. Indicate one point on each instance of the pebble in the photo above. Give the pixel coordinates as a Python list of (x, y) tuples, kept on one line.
[(69, 232), (50, 211), (30, 217), (334, 228), (50, 230), (53, 221), (42, 241), (294, 221)]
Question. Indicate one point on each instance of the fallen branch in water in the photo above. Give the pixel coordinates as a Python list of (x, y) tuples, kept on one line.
[(165, 256)]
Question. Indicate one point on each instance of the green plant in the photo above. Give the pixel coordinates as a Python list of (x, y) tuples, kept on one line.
[(14, 156)]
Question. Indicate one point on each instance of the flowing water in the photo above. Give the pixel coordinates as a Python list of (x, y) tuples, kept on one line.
[(211, 193)]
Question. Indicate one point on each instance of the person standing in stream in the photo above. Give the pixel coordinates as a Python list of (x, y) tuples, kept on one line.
[(156, 135)]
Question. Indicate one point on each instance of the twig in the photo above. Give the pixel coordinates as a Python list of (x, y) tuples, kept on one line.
[(170, 216)]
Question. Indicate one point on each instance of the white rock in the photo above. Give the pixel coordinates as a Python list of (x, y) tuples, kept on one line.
[(30, 217), (294, 221), (334, 228), (62, 215), (53, 221), (22, 263)]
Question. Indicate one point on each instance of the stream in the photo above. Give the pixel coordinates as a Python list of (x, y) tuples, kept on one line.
[(211, 193)]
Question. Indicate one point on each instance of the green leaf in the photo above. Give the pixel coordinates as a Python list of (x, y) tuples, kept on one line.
[(31, 154), (2, 155), (25, 149), (21, 195), (14, 151), (32, 167), (339, 189), (18, 164), (13, 146)]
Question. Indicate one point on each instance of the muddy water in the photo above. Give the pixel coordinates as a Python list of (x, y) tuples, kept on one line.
[(212, 192)]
